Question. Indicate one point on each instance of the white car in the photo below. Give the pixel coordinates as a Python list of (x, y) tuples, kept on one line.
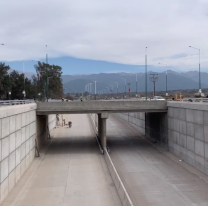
[(158, 98)]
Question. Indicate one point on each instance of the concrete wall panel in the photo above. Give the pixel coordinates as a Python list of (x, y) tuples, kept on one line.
[(12, 124), (18, 156), (205, 117), (12, 142), (4, 169), (18, 119), (199, 163), (199, 131), (190, 129), (182, 140), (199, 147), (206, 133), (190, 143), (182, 127), (5, 147), (182, 114), (206, 150), (5, 127), (189, 115), (18, 138), (198, 117), (12, 161)]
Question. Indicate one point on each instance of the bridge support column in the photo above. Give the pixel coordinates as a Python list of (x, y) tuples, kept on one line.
[(103, 139), (99, 126)]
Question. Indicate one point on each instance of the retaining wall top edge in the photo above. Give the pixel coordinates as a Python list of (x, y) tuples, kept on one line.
[(189, 105), (7, 111)]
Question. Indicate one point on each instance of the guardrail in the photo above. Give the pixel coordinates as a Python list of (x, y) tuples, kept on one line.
[(202, 100), (15, 102)]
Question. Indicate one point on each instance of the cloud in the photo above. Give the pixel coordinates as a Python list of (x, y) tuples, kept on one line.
[(115, 31)]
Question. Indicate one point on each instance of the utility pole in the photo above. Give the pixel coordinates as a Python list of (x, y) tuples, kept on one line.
[(129, 89), (153, 78), (95, 90), (117, 88), (46, 75), (146, 72)]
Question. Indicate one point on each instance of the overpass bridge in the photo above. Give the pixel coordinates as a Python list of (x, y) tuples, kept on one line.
[(102, 109), (78, 107)]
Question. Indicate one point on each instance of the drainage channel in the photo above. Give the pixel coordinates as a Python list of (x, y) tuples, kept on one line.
[(121, 190)]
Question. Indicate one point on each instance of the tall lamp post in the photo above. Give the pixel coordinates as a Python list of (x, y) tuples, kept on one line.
[(146, 72), (200, 91), (125, 85), (24, 92), (46, 74), (166, 80), (111, 89), (117, 88), (95, 89), (136, 84)]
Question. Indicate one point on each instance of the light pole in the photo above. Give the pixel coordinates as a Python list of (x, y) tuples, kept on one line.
[(125, 85), (153, 78), (24, 92), (95, 89), (200, 91), (166, 78), (146, 72), (129, 89), (112, 89), (46, 74), (136, 84), (117, 88)]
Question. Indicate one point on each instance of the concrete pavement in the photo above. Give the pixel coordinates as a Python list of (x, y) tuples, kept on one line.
[(72, 172), (151, 177)]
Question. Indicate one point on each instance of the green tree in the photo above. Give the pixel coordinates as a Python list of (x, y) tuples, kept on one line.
[(55, 86), (4, 80)]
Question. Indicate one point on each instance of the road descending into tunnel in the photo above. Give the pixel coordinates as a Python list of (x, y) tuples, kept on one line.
[(72, 172), (150, 176)]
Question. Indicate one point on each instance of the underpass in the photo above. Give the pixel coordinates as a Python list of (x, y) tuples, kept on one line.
[(70, 171), (150, 175)]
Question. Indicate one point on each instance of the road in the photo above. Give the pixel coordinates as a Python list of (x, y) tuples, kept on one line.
[(71, 172), (151, 177)]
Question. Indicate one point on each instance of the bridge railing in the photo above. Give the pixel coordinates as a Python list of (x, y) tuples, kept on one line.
[(202, 100), (15, 102)]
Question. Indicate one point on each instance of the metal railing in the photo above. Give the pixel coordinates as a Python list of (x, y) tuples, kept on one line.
[(201, 100), (15, 102)]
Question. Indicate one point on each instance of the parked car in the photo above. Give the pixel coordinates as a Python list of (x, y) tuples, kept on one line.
[(158, 98)]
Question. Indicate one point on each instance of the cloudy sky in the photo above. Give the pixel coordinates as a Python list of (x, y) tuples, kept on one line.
[(85, 34)]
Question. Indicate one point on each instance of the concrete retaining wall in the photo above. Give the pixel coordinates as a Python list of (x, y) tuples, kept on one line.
[(136, 119), (17, 143), (188, 133), (19, 127)]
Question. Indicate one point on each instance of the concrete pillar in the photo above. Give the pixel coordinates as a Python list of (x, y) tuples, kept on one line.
[(99, 125), (103, 138)]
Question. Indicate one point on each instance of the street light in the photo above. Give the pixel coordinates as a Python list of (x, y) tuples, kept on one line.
[(24, 80), (136, 84), (117, 88), (146, 72), (46, 73), (166, 79), (112, 88), (95, 89), (200, 91), (125, 85)]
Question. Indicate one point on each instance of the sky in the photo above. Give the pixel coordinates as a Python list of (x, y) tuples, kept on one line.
[(93, 36)]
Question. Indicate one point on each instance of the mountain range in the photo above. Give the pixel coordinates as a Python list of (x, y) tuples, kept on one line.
[(176, 81)]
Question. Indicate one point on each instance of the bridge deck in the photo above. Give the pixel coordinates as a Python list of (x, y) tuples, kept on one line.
[(150, 176), (78, 107)]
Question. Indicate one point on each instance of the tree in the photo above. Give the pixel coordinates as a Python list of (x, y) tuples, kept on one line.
[(4, 80), (55, 86)]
